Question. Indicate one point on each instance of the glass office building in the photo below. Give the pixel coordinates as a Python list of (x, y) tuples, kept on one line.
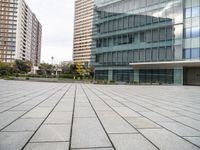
[(147, 41)]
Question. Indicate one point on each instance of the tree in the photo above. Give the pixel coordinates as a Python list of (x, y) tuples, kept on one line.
[(5, 69), (90, 71), (45, 69), (80, 69), (21, 66)]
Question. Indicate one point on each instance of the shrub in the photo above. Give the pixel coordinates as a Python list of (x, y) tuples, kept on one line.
[(69, 76)]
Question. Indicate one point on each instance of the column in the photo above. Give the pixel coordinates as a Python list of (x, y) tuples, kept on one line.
[(137, 76), (110, 75), (178, 75)]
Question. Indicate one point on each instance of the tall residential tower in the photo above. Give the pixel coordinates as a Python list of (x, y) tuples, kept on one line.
[(20, 32), (83, 31)]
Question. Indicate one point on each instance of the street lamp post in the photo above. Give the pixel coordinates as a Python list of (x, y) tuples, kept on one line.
[(52, 58)]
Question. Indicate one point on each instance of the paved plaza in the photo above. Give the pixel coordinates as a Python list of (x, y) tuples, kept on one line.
[(62, 116)]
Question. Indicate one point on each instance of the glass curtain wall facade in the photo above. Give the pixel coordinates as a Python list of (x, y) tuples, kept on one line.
[(192, 29), (143, 31)]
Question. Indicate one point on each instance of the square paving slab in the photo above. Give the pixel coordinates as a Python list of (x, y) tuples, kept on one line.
[(75, 116)]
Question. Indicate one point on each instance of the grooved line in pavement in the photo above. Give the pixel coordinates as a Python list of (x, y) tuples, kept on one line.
[(31, 109), (99, 119), (47, 115), (123, 118), (72, 123), (150, 119), (29, 99), (13, 99)]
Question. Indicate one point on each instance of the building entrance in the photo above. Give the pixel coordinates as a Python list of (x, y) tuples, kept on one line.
[(192, 76)]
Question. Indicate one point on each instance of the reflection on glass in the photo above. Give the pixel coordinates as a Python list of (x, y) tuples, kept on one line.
[(195, 11), (188, 33), (195, 53), (188, 13), (187, 54), (134, 26), (195, 32)]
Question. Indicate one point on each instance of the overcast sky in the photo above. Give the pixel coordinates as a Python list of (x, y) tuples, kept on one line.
[(57, 18)]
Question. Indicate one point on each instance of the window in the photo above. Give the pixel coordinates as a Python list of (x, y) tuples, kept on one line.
[(142, 37), (169, 54), (109, 57), (155, 35), (115, 25), (110, 26), (188, 33), (114, 57), (195, 11), (119, 57), (149, 19), (136, 55), (130, 38), (130, 56), (101, 58), (142, 55), (105, 59), (124, 60), (154, 54), (131, 21), (148, 54), (187, 54), (188, 13), (137, 21), (162, 53), (121, 23), (125, 22), (169, 33), (142, 20), (106, 27), (162, 34), (148, 36), (195, 32), (195, 53)]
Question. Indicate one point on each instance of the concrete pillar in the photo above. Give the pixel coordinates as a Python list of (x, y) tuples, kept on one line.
[(110, 75), (178, 76), (137, 76), (131, 76)]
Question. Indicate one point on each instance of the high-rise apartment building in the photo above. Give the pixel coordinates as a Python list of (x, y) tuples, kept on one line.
[(83, 31), (20, 32), (147, 41), (36, 37)]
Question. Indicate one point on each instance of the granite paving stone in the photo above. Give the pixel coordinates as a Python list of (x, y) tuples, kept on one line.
[(142, 122), (50, 133), (13, 140), (59, 118), (126, 112), (24, 125), (38, 112), (180, 129), (77, 116), (131, 142), (166, 140), (48, 146), (195, 140), (115, 124), (88, 133)]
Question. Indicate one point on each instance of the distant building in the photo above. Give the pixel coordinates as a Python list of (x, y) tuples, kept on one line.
[(83, 31), (36, 41), (147, 41), (20, 32)]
